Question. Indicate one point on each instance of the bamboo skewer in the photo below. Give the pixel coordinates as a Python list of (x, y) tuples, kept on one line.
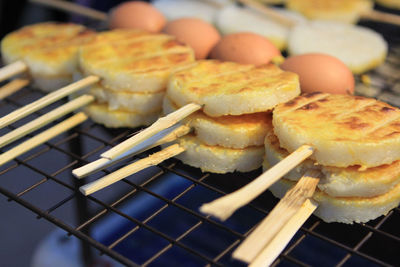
[(46, 100), (279, 242), (139, 165), (269, 12), (12, 70), (42, 137), (225, 206), (45, 119), (381, 17), (103, 163), (287, 207), (74, 8), (12, 87), (156, 127)]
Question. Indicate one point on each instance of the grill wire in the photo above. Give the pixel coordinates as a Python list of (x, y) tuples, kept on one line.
[(152, 218)]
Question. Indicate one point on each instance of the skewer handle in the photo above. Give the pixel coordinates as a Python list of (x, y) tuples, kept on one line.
[(382, 17), (280, 241), (161, 124), (42, 137), (103, 163), (269, 12), (12, 69), (278, 217), (46, 100), (224, 207), (45, 119), (12, 87), (74, 8), (139, 165)]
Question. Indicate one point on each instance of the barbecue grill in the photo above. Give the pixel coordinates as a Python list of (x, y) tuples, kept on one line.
[(152, 217)]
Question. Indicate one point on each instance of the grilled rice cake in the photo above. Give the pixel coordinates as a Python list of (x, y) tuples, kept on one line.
[(345, 130), (101, 114), (227, 131), (126, 100), (49, 49), (362, 49), (347, 11), (219, 159), (346, 209), (235, 92), (133, 60), (339, 182)]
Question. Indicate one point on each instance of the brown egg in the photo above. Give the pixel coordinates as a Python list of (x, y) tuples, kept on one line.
[(197, 33), (321, 73), (137, 15), (246, 48)]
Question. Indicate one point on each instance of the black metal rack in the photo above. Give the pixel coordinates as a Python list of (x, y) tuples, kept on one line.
[(152, 218)]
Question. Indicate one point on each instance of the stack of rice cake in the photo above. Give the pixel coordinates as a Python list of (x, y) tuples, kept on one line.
[(134, 67), (229, 131), (49, 50), (357, 142)]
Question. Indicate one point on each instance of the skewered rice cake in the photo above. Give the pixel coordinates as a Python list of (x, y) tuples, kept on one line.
[(348, 11), (339, 182), (360, 48), (129, 101), (239, 90), (49, 50), (219, 159), (346, 209), (134, 61), (102, 114), (345, 130), (227, 131)]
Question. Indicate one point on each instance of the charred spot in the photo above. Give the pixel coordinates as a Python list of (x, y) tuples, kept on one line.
[(310, 106), (291, 103), (392, 134), (396, 124), (354, 123), (323, 100), (387, 109), (309, 95)]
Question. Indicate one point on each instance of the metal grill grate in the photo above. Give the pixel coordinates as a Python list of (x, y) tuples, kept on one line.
[(152, 218)]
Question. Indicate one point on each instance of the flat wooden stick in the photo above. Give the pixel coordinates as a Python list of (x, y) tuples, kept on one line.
[(12, 87), (45, 119), (42, 137), (225, 206), (278, 217), (159, 125), (280, 241), (269, 12), (47, 100), (74, 8), (103, 163), (12, 70), (381, 17), (139, 165)]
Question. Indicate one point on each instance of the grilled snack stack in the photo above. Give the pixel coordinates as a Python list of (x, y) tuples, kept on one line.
[(356, 141), (134, 67), (229, 131), (49, 50)]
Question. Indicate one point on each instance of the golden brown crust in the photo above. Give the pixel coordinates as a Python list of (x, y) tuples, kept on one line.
[(235, 90), (356, 125), (340, 10), (134, 60)]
